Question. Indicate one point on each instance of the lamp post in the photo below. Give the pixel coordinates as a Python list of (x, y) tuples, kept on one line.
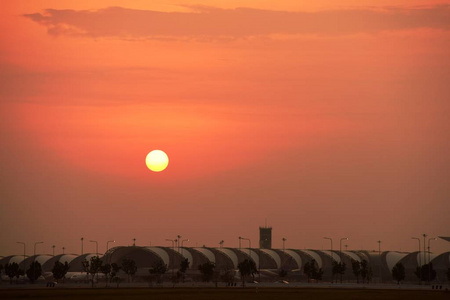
[(35, 244), (429, 258), (249, 245), (134, 242), (173, 246), (182, 242), (178, 242), (107, 244), (53, 250), (96, 246), (82, 239), (331, 257), (424, 251), (64, 249), (221, 243), (24, 249), (340, 254), (284, 241), (379, 257)]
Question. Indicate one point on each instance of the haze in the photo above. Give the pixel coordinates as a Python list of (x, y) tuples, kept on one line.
[(325, 118)]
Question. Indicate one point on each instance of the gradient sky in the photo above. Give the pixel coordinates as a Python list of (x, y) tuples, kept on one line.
[(325, 118)]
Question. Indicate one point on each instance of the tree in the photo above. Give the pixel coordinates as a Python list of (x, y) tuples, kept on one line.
[(426, 272), (398, 272), (312, 271), (356, 268), (11, 270), (207, 270), (92, 267), (338, 268), (158, 269), (34, 272), (60, 270), (184, 265), (115, 268), (365, 270), (106, 270), (247, 268), (129, 267), (20, 272)]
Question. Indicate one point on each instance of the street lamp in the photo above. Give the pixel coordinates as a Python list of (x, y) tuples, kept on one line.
[(64, 249), (178, 244), (221, 243), (35, 244), (284, 241), (429, 258), (249, 245), (416, 238), (107, 244), (96, 246), (82, 239), (24, 249), (379, 257), (173, 246), (53, 250), (134, 242), (331, 256), (424, 251), (240, 238), (340, 254)]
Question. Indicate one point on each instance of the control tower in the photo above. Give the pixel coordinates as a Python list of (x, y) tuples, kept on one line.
[(265, 237)]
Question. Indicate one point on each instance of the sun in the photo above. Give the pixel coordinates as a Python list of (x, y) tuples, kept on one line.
[(157, 160)]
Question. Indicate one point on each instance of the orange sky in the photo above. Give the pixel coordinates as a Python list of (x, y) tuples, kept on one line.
[(327, 118)]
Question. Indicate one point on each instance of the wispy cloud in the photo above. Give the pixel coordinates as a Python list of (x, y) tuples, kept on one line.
[(207, 22)]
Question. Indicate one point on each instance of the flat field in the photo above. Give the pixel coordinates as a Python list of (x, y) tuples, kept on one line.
[(220, 294)]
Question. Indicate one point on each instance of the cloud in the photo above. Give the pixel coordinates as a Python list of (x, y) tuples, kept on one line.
[(207, 22)]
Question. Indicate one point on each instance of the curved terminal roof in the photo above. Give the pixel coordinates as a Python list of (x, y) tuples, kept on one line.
[(352, 255), (253, 255), (333, 254), (392, 258), (314, 256), (159, 252), (12, 259), (230, 254), (185, 253), (295, 256), (207, 253), (274, 256)]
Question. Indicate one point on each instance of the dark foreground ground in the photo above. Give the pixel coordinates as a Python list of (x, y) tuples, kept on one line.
[(222, 294)]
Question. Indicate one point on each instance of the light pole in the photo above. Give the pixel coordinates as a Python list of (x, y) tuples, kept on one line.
[(82, 239), (35, 244), (420, 262), (221, 243), (178, 243), (240, 238), (96, 246), (331, 256), (379, 257), (64, 249), (107, 244), (424, 251), (182, 242), (340, 255), (173, 249), (249, 245), (24, 249), (284, 241), (134, 242), (429, 258), (53, 250)]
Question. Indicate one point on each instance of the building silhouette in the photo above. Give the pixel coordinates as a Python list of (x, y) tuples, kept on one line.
[(265, 237)]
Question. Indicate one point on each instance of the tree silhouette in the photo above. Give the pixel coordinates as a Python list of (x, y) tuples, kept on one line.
[(311, 270), (398, 272), (60, 270), (158, 269), (129, 267), (366, 271), (115, 268), (356, 268), (34, 272), (184, 265), (207, 270), (106, 270), (247, 268), (426, 272), (338, 268), (11, 270), (92, 267), (228, 276)]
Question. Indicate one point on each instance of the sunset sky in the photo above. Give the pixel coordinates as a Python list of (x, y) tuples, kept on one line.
[(325, 118)]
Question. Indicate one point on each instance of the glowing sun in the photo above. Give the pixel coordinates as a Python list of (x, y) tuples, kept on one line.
[(157, 160)]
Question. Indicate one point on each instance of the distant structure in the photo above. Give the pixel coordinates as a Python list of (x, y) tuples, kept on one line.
[(265, 237)]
